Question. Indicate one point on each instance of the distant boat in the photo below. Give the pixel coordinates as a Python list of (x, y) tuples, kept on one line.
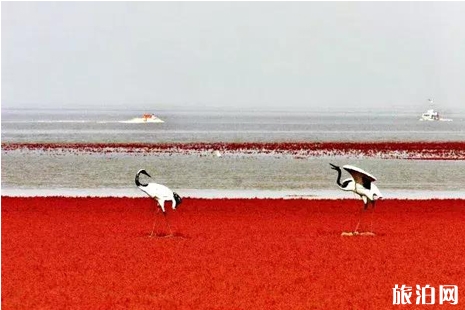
[(433, 115), (430, 115), (146, 118)]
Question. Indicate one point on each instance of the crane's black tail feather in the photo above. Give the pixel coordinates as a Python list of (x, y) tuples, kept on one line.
[(177, 198)]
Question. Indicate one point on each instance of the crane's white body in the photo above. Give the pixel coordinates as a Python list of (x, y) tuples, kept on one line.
[(160, 193), (361, 183), (371, 194)]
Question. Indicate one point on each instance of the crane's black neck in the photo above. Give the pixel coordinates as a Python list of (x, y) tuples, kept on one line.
[(138, 183), (338, 181)]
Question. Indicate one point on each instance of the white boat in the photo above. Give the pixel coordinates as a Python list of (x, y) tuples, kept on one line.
[(433, 115), (430, 115), (146, 118)]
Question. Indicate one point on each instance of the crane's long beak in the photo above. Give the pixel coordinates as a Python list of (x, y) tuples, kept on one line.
[(334, 166)]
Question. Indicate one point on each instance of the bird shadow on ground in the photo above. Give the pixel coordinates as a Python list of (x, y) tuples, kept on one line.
[(162, 235), (361, 234), (339, 233)]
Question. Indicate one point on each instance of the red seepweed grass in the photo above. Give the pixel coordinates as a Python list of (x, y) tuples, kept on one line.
[(95, 253), (452, 150)]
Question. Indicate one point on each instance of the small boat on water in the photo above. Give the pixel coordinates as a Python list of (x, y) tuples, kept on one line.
[(146, 118), (430, 115), (433, 115)]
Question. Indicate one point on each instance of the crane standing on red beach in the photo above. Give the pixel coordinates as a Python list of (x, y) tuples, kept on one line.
[(160, 193), (360, 183)]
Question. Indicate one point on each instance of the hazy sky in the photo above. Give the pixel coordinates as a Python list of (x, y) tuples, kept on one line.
[(260, 55)]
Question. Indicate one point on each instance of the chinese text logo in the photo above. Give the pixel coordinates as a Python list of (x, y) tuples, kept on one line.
[(425, 295)]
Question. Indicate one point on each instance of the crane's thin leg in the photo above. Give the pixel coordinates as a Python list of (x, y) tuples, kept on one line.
[(360, 219), (154, 221), (358, 224), (372, 216), (153, 228), (169, 227)]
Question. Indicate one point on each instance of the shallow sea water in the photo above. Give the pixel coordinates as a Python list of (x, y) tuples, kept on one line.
[(40, 170), (211, 126), (24, 171)]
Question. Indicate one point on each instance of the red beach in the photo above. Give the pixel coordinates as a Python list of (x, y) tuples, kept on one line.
[(84, 253)]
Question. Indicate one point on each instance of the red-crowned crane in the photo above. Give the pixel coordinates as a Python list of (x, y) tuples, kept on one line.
[(362, 184), (160, 193)]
